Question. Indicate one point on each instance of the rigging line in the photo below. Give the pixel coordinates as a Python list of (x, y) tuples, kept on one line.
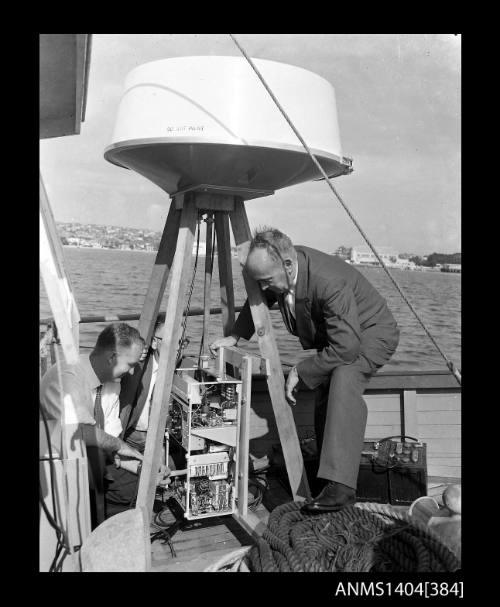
[(449, 363)]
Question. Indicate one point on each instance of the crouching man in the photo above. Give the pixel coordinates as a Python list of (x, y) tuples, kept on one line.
[(88, 394), (333, 308)]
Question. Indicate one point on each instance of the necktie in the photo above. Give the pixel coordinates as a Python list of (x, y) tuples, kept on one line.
[(151, 402), (98, 411), (287, 315)]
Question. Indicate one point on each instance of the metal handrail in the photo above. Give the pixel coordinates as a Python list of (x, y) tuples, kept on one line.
[(136, 316)]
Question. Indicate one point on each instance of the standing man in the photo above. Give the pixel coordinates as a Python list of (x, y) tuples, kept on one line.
[(88, 394), (333, 308)]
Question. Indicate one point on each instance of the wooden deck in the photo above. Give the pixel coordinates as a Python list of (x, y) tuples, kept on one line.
[(199, 545)]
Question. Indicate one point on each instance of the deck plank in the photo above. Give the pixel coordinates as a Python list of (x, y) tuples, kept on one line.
[(200, 544), (191, 563)]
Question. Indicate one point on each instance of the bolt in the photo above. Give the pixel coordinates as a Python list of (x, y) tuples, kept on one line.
[(261, 332)]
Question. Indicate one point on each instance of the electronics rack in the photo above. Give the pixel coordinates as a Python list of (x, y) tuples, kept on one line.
[(205, 414)]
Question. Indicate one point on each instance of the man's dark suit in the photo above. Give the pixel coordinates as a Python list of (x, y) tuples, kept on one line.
[(340, 314)]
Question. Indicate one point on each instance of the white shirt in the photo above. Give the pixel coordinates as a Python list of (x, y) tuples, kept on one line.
[(290, 295), (143, 421), (78, 384)]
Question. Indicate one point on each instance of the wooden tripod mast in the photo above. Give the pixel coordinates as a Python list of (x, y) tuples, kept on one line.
[(174, 256)]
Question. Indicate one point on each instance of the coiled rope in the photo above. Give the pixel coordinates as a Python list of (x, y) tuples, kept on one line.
[(364, 537), (448, 362)]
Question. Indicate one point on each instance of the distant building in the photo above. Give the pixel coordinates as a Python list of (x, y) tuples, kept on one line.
[(456, 268), (405, 264), (363, 255), (343, 252)]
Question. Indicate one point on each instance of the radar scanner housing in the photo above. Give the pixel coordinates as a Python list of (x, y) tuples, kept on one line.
[(208, 123)]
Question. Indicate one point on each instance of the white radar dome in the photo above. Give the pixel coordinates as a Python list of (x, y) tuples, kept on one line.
[(208, 121)]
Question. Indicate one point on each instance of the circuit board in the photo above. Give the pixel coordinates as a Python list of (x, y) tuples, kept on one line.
[(204, 422)]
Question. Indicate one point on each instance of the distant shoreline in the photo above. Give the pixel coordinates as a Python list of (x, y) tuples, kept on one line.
[(75, 246), (354, 265)]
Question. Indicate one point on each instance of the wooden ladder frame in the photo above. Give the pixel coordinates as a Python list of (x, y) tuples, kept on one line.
[(175, 256)]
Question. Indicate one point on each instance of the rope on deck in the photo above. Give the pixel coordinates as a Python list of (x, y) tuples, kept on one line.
[(363, 537)]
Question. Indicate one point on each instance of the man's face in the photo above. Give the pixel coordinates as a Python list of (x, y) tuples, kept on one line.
[(123, 361), (270, 274)]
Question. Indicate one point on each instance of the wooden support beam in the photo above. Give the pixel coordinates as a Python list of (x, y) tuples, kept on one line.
[(235, 356), (244, 437), (410, 422), (269, 350), (225, 271), (157, 283), (168, 352), (56, 281), (159, 275), (207, 202), (251, 523)]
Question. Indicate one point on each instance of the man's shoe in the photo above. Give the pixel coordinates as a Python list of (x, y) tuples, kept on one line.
[(334, 496)]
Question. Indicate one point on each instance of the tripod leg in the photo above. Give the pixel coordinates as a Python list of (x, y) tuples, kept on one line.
[(225, 270), (168, 353), (159, 275), (268, 348)]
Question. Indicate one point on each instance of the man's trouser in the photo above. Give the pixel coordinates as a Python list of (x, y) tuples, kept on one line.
[(340, 410), (122, 485)]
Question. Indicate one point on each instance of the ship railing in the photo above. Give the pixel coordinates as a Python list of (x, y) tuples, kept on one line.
[(49, 338)]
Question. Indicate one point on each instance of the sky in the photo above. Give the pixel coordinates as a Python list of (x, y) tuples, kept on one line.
[(398, 105)]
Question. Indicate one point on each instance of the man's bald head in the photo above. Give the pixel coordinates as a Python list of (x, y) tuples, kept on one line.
[(272, 260)]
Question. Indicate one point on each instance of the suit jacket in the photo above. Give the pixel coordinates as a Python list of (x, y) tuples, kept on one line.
[(338, 312), (133, 394)]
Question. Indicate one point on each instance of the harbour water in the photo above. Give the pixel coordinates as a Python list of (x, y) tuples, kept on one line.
[(115, 282)]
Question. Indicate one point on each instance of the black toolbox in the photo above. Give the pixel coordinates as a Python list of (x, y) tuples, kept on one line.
[(392, 470)]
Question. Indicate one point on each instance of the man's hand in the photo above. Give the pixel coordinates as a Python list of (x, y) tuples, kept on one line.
[(127, 451), (162, 477), (291, 383), (223, 342)]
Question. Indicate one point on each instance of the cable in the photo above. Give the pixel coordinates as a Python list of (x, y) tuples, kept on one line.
[(52, 519), (211, 266), (449, 363), (51, 459), (184, 323)]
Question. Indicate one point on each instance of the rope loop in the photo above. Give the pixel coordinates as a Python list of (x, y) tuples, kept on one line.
[(363, 537)]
